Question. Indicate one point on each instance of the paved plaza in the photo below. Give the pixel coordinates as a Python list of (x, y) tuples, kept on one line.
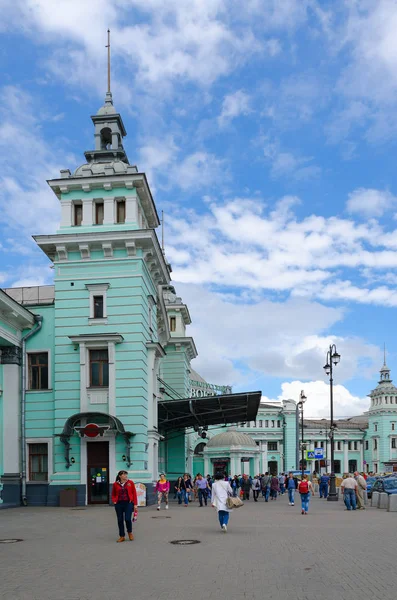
[(270, 552)]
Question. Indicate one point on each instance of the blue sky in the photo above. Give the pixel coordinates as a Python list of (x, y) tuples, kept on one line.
[(269, 139)]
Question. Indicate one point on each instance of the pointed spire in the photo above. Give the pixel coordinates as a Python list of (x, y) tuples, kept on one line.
[(108, 47)]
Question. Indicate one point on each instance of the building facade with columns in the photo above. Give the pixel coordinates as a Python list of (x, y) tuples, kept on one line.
[(367, 442)]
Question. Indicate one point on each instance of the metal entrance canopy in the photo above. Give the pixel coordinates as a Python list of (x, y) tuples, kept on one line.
[(210, 410)]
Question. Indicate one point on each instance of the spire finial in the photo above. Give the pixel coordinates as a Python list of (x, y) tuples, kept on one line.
[(108, 47), (384, 354)]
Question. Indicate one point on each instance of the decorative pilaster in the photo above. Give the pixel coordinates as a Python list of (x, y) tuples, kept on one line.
[(345, 456)]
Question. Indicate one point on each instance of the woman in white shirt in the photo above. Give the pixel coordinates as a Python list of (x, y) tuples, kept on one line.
[(220, 491)]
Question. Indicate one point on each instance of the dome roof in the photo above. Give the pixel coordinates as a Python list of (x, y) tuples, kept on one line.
[(231, 438)]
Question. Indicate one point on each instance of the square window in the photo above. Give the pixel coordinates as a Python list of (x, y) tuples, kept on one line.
[(38, 371), (355, 445), (260, 423), (38, 462), (99, 368), (272, 446), (98, 307), (172, 323)]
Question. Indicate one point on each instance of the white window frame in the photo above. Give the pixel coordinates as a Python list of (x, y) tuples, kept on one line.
[(97, 289), (43, 440), (39, 351)]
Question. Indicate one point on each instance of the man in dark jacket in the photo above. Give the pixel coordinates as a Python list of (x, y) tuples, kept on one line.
[(265, 485), (246, 487)]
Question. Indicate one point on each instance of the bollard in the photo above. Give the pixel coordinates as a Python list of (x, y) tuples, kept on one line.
[(392, 504), (375, 499), (383, 499)]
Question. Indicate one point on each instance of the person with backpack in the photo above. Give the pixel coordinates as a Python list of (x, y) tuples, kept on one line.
[(305, 489)]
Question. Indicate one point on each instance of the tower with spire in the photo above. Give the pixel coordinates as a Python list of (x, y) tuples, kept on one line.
[(382, 422), (110, 319)]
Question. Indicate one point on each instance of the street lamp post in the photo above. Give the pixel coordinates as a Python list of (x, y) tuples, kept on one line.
[(332, 360), (302, 400)]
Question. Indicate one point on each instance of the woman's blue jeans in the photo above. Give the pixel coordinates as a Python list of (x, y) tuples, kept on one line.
[(124, 512), (291, 495), (223, 517), (305, 501)]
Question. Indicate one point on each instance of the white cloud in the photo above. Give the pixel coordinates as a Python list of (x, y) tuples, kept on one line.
[(239, 244), (370, 202), (318, 400), (233, 106), (29, 161), (252, 340)]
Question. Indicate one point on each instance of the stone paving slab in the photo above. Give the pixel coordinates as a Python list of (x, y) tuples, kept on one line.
[(270, 552)]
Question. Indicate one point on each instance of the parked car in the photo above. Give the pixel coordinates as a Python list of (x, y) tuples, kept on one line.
[(370, 482), (385, 484)]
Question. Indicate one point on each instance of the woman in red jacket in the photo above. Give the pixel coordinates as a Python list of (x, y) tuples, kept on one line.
[(125, 502)]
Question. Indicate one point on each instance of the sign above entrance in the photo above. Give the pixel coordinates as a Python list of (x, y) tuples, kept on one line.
[(92, 430)]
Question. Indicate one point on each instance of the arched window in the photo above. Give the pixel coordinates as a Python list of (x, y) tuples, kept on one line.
[(106, 138), (199, 449)]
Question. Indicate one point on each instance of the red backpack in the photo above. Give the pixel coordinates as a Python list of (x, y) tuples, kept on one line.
[(304, 487)]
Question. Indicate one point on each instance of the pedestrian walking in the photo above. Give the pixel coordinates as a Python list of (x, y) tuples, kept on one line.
[(323, 485), (265, 485), (281, 481), (187, 488), (292, 484), (256, 487), (220, 491), (361, 490), (162, 489), (125, 503), (246, 487), (235, 484), (349, 489), (202, 489), (274, 487), (305, 489), (179, 489)]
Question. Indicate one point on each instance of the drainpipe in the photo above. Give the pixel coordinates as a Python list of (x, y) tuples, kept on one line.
[(39, 322)]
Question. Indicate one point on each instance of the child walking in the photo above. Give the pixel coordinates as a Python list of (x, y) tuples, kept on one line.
[(162, 489)]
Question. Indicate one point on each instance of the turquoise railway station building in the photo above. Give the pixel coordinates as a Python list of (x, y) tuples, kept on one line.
[(96, 370)]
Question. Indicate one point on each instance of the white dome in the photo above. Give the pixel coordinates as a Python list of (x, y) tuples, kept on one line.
[(231, 438)]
